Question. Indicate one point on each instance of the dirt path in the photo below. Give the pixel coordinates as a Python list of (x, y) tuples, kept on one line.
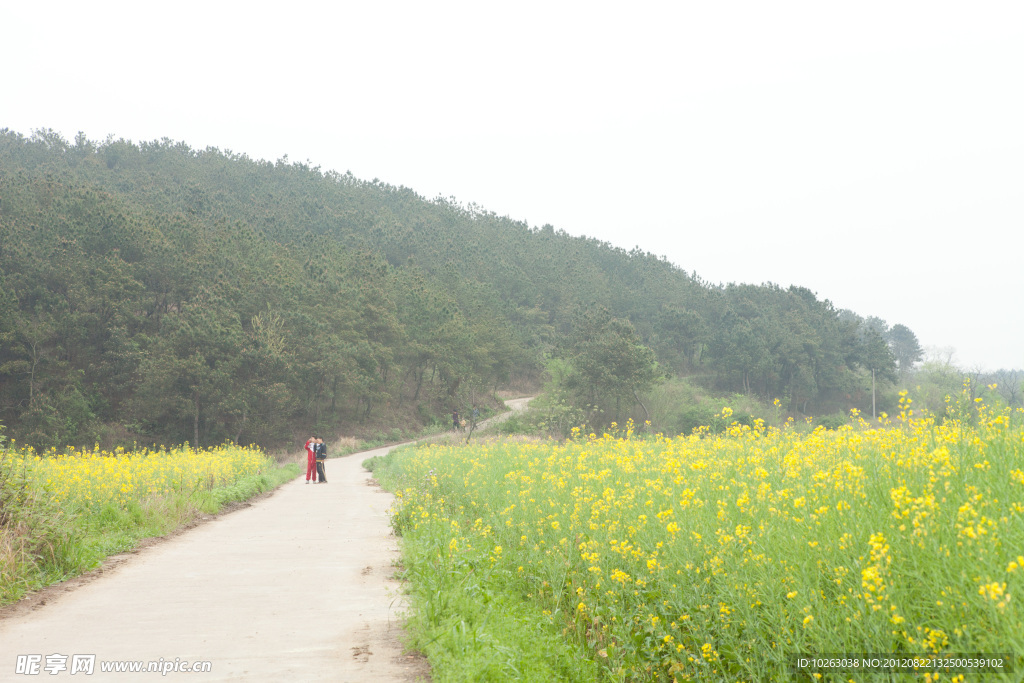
[(298, 586)]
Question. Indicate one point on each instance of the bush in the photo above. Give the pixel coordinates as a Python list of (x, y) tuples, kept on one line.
[(427, 416), (694, 417), (831, 421), (744, 419), (515, 425)]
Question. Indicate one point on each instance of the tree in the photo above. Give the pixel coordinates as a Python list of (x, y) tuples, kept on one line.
[(1010, 385), (905, 348), (610, 367), (189, 378), (936, 380)]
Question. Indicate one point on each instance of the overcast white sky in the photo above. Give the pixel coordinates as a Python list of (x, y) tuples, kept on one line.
[(870, 151)]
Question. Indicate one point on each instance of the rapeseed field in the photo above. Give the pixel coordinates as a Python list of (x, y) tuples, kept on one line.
[(90, 477), (724, 557), (62, 512)]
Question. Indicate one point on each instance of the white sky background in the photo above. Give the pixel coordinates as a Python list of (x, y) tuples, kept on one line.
[(871, 151)]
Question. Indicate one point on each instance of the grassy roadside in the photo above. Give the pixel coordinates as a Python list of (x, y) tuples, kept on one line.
[(62, 514), (471, 619)]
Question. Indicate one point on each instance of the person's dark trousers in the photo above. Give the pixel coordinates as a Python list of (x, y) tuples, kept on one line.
[(320, 471)]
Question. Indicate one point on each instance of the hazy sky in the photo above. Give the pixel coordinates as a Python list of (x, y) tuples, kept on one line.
[(871, 151)]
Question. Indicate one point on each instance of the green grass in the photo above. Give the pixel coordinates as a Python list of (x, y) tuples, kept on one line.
[(474, 621)]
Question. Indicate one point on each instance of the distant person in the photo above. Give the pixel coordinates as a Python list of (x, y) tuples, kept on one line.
[(311, 459), (321, 455), (455, 420)]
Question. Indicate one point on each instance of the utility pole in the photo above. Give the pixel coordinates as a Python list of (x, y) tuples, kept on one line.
[(872, 393)]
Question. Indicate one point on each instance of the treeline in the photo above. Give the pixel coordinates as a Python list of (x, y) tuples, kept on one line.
[(156, 291)]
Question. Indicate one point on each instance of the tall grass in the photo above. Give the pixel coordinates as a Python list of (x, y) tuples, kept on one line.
[(723, 557)]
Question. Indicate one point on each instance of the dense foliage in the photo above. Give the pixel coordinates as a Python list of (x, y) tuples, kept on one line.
[(153, 290)]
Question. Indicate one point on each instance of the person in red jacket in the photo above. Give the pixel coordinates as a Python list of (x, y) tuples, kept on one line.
[(311, 459)]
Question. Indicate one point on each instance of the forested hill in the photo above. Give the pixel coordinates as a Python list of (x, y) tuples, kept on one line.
[(158, 291)]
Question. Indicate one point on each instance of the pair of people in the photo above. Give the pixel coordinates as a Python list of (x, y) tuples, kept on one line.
[(316, 454)]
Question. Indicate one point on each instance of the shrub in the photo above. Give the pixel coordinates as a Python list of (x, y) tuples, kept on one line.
[(695, 417), (427, 416), (514, 425), (831, 421)]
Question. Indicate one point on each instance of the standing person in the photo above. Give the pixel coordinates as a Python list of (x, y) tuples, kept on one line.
[(311, 459), (321, 455), (455, 420)]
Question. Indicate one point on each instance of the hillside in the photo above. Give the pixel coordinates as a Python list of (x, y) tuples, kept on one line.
[(158, 292)]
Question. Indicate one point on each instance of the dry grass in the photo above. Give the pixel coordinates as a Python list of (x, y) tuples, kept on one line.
[(344, 443), (12, 552)]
